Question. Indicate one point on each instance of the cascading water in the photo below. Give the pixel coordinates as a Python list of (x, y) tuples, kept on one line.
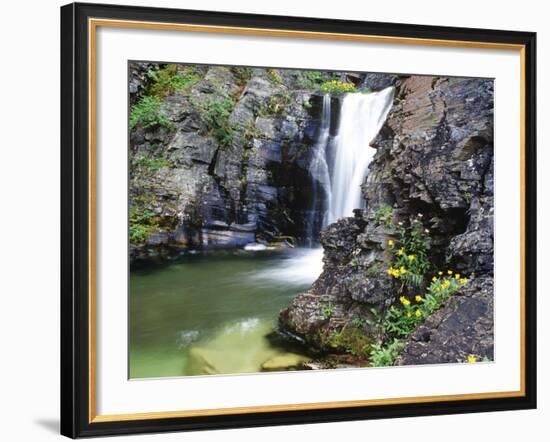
[(320, 173), (339, 176), (361, 117)]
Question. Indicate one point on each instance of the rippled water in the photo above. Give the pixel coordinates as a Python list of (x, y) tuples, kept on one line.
[(210, 313)]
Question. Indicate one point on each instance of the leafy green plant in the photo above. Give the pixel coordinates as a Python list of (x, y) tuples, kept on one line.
[(147, 112), (309, 80), (402, 321), (385, 355), (337, 86), (166, 80), (384, 216), (411, 262), (467, 197), (216, 114), (327, 311)]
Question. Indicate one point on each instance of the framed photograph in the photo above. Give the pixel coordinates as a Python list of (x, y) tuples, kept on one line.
[(275, 220)]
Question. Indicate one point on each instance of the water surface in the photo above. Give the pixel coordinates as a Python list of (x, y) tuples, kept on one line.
[(210, 313)]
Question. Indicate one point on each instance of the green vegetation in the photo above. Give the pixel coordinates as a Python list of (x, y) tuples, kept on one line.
[(142, 222), (411, 265), (467, 197), (275, 106), (274, 76), (327, 311), (411, 262), (147, 112), (309, 80), (337, 86), (351, 340), (151, 164), (166, 80), (216, 114), (384, 216), (385, 355)]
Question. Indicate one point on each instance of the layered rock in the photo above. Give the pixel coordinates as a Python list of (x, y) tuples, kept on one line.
[(434, 158), (208, 179)]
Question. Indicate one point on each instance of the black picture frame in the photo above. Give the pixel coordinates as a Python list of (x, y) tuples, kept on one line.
[(75, 220)]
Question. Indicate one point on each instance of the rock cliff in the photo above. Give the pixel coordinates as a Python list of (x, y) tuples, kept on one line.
[(434, 159)]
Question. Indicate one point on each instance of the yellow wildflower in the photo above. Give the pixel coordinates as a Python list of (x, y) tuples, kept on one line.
[(402, 270), (434, 279), (463, 280), (471, 359), (449, 272), (445, 284), (409, 314), (390, 242), (411, 258), (404, 301), (440, 273), (457, 275), (400, 251), (418, 313), (418, 298)]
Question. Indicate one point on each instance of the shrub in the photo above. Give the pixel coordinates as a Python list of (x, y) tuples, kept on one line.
[(275, 106), (147, 112)]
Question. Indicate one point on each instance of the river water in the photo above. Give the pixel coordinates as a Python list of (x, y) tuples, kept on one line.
[(211, 312)]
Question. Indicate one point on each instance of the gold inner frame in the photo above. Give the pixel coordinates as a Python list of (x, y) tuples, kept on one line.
[(93, 24)]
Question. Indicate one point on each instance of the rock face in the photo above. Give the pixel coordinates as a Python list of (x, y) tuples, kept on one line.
[(228, 165), (435, 158)]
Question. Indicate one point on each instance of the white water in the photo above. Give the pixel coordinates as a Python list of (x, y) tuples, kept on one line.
[(361, 118)]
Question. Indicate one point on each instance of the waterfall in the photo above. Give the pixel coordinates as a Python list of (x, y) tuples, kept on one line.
[(339, 176), (319, 171), (361, 117)]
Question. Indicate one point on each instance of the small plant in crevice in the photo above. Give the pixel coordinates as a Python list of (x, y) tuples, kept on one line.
[(384, 217), (216, 115), (327, 311), (147, 112), (274, 76), (385, 355), (351, 340)]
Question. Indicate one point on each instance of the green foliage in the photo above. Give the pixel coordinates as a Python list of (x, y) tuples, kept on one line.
[(151, 164), (337, 86), (166, 80), (352, 340), (467, 197), (274, 76), (216, 114), (402, 321), (385, 355), (147, 112), (327, 311), (309, 80), (374, 270), (384, 216), (142, 222), (276, 105), (411, 262), (307, 105), (242, 74)]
